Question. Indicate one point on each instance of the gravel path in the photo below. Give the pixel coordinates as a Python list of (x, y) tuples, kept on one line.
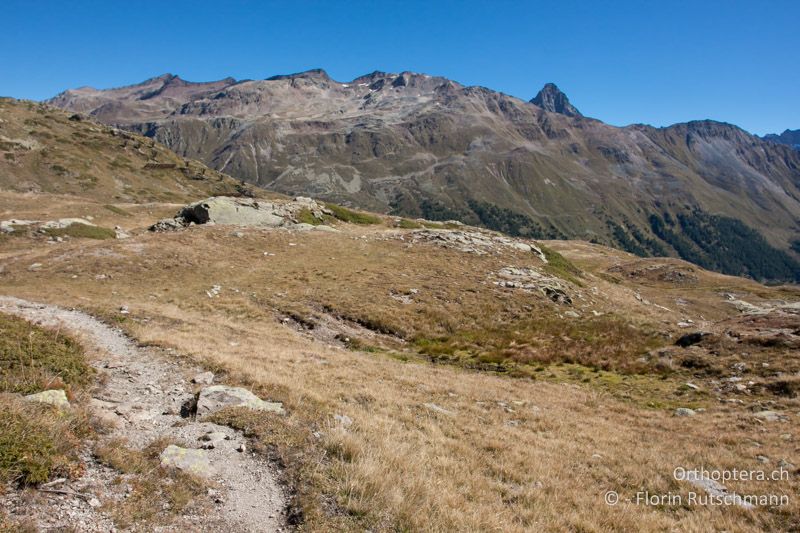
[(142, 395)]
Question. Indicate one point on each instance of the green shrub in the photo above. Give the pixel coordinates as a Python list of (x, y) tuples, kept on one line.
[(33, 359), (117, 211), (82, 231), (354, 217), (305, 216), (37, 441), (560, 266), (408, 224)]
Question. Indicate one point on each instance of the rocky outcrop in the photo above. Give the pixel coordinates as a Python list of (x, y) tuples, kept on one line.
[(9, 226), (474, 242), (229, 210), (530, 279)]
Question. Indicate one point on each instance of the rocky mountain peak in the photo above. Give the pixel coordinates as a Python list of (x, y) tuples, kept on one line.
[(315, 73), (550, 98), (788, 137)]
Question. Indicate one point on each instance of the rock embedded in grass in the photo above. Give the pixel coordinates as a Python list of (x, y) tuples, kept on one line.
[(770, 416), (57, 398), (691, 339), (186, 459), (437, 409), (216, 397), (684, 411)]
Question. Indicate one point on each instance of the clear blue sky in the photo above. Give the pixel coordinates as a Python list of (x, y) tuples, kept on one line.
[(657, 62)]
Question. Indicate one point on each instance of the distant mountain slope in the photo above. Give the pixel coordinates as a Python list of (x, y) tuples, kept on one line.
[(43, 149), (788, 137), (420, 145)]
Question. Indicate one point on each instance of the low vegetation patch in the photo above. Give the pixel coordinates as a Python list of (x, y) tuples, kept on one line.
[(560, 266), (406, 223), (33, 359), (353, 217), (605, 343), (157, 495), (82, 231), (37, 441), (7, 525), (305, 216), (117, 210)]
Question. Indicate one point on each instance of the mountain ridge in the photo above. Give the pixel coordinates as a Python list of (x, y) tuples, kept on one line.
[(788, 137), (419, 145)]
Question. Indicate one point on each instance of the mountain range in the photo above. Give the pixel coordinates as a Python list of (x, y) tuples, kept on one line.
[(424, 146), (788, 137)]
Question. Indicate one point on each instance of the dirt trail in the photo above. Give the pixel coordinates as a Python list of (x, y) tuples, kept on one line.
[(143, 394)]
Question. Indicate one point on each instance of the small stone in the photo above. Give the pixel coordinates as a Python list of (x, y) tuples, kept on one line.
[(521, 246), (684, 411), (343, 420), (215, 436), (692, 386), (94, 502), (770, 416), (203, 378), (323, 227), (215, 495), (437, 409), (762, 458), (186, 459), (783, 463), (56, 397)]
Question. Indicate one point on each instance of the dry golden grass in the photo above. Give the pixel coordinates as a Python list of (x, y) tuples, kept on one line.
[(431, 447), (511, 455)]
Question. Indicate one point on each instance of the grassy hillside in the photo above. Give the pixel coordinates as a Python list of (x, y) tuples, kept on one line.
[(47, 150)]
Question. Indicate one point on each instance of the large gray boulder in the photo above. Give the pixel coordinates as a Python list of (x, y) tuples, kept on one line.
[(242, 212), (227, 210), (212, 399)]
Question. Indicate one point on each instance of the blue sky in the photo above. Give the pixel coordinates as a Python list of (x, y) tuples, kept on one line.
[(622, 62)]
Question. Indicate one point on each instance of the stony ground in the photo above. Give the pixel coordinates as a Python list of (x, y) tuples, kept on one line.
[(140, 400)]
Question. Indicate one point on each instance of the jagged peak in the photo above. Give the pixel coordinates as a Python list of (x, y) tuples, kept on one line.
[(164, 78), (373, 76), (314, 73), (552, 99)]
